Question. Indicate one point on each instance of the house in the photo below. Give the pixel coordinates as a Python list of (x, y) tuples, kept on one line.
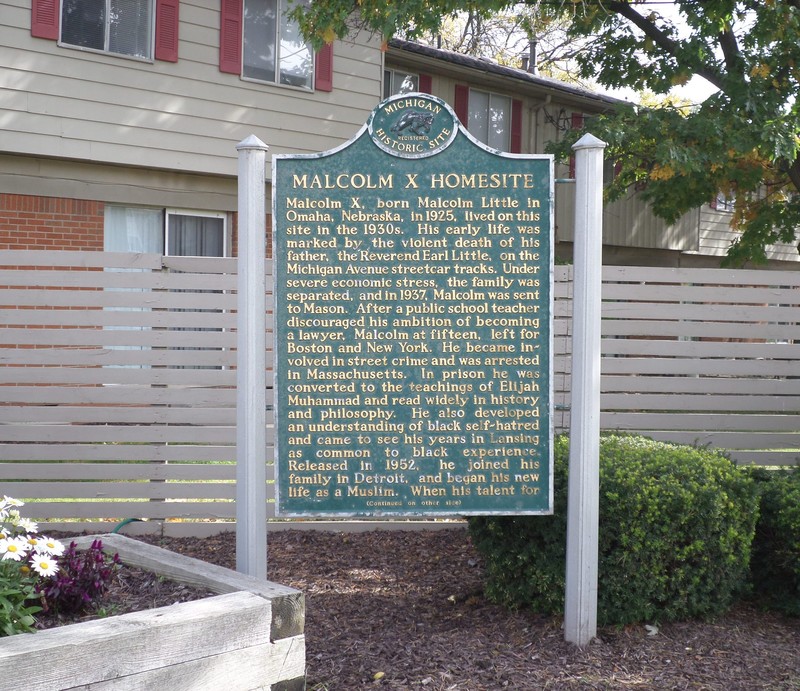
[(119, 132)]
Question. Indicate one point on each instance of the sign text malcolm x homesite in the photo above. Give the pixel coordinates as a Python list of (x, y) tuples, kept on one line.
[(413, 322)]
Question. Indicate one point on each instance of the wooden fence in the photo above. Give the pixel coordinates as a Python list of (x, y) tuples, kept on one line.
[(117, 377)]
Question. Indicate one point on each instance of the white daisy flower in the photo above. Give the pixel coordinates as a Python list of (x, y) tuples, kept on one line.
[(44, 565), (13, 548), (47, 545), (28, 525)]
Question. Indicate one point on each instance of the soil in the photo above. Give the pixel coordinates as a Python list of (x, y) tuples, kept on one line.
[(405, 610)]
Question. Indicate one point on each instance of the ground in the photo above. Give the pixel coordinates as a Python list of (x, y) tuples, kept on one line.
[(405, 610)]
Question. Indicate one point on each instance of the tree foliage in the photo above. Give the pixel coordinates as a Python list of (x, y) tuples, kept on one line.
[(744, 141)]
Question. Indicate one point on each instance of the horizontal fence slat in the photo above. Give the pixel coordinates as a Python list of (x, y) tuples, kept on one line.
[(699, 384), (194, 396), (699, 402), (118, 471), (98, 376), (48, 510), (174, 453), (118, 415), (159, 490), (701, 421)]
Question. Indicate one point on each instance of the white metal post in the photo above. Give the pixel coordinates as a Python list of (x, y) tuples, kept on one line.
[(580, 607), (251, 472)]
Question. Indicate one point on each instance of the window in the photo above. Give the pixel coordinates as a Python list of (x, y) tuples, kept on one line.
[(395, 83), (723, 202), (175, 233), (124, 27), (490, 118), (274, 50)]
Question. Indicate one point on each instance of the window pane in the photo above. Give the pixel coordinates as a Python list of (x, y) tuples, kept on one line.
[(296, 58), (499, 122), (130, 25), (404, 83), (478, 115), (83, 23), (129, 229), (195, 236), (260, 27)]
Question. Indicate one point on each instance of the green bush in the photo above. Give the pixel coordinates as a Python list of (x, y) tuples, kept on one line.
[(775, 564), (676, 526)]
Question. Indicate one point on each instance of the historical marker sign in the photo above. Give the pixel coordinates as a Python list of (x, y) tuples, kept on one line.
[(413, 322)]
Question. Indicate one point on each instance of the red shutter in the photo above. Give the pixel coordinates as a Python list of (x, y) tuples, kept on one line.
[(230, 36), (44, 19), (167, 30), (461, 104), (425, 84), (575, 124), (516, 127), (323, 69)]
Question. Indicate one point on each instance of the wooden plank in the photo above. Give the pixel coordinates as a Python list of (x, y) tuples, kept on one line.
[(700, 349), (701, 421), (699, 384), (139, 452), (699, 312), (119, 510), (110, 318), (256, 667), (724, 440), (201, 336), (117, 357), (130, 299), (123, 376), (138, 489), (699, 329), (199, 397), (118, 415), (114, 279), (119, 434), (170, 635), (693, 293), (700, 402), (683, 366), (654, 274), (118, 471)]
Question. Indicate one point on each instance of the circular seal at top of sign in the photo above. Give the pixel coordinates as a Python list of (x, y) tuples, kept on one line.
[(413, 125)]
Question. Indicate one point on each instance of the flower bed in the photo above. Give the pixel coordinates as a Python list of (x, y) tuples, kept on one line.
[(250, 636)]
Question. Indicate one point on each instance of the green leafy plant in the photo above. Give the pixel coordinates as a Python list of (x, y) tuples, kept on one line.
[(81, 581), (775, 565), (676, 527), (26, 560)]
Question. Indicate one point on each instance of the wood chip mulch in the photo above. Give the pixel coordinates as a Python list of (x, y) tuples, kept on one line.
[(405, 610)]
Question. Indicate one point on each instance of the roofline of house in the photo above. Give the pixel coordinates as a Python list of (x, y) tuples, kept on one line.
[(420, 54)]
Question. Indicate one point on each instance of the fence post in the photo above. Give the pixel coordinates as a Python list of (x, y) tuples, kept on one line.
[(580, 606), (251, 472)]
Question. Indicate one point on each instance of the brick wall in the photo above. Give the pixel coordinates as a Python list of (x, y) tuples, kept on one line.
[(48, 223)]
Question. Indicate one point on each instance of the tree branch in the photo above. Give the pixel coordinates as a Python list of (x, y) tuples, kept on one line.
[(624, 9)]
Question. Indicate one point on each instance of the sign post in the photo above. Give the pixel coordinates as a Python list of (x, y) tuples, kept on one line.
[(413, 322), (251, 472), (580, 609)]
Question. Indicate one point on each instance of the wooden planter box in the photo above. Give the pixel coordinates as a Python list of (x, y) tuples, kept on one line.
[(251, 636)]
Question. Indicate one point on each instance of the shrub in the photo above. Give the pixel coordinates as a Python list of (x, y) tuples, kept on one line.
[(676, 526), (83, 578), (775, 564)]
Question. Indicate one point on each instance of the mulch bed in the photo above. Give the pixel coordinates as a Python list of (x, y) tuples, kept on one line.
[(405, 610)]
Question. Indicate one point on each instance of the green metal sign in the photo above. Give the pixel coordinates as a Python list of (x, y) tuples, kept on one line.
[(413, 322)]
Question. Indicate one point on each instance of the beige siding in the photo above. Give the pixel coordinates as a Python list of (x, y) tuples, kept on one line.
[(184, 116), (716, 236)]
